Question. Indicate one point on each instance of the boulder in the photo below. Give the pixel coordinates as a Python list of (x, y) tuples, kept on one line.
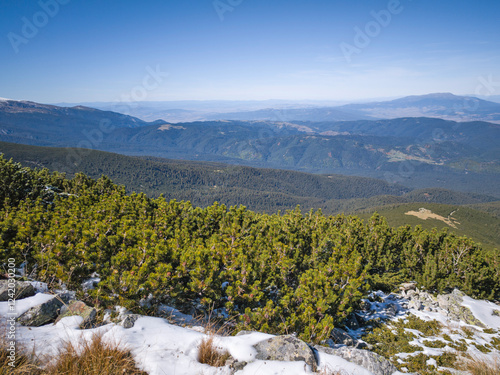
[(23, 289), (408, 286), (339, 336), (375, 363), (286, 348), (79, 308), (452, 304), (44, 313)]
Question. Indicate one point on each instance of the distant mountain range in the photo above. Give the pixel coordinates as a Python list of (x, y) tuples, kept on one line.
[(445, 106), (442, 105), (416, 152)]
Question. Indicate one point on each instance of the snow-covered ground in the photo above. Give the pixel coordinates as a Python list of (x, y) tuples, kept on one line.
[(162, 348)]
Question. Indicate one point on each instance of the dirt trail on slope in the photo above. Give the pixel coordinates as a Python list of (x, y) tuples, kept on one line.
[(425, 214)]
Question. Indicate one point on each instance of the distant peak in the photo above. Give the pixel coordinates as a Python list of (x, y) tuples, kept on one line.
[(437, 95)]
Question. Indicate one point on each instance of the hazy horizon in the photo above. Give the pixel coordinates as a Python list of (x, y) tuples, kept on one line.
[(67, 51)]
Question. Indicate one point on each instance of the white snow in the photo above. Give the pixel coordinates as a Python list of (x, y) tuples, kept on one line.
[(483, 310), (24, 304), (40, 287), (162, 348)]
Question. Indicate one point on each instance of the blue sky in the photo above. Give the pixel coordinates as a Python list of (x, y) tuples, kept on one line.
[(105, 50)]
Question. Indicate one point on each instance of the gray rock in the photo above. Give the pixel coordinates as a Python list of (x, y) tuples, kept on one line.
[(235, 365), (364, 358), (79, 308), (363, 345), (392, 309), (285, 348), (42, 314), (352, 322), (22, 289), (410, 293), (452, 304), (415, 304), (408, 286), (129, 320), (339, 336)]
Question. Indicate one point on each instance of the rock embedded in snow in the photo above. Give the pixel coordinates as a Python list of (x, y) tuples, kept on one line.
[(22, 289), (129, 320), (286, 348), (79, 308), (373, 362), (43, 313)]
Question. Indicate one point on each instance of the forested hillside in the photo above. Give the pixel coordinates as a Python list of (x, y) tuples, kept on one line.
[(203, 183), (415, 152), (262, 190), (295, 272)]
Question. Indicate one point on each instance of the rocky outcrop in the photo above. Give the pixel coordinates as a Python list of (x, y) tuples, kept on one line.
[(375, 363), (44, 313), (79, 308), (449, 305), (286, 348), (452, 304), (22, 289)]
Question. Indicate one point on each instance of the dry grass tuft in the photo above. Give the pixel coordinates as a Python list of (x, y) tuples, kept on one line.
[(209, 354), (94, 357), (481, 365)]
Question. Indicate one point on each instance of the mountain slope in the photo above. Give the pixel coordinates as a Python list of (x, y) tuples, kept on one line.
[(441, 105), (463, 221), (204, 183), (416, 152), (41, 124)]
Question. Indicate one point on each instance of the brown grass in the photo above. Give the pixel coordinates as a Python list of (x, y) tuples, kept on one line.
[(209, 354), (94, 357), (481, 365)]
